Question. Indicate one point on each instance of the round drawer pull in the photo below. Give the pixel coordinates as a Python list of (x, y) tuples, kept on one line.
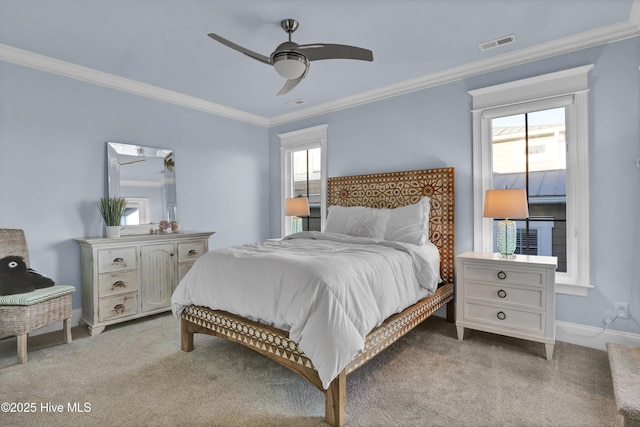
[(502, 275), (118, 284), (501, 315), (502, 293)]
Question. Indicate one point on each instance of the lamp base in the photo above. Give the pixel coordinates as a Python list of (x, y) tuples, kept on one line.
[(506, 237), (296, 224)]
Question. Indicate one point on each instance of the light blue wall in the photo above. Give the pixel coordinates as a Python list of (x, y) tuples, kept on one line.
[(52, 163), (53, 133), (433, 128), (414, 131)]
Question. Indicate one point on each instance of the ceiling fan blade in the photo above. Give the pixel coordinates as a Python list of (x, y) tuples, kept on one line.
[(318, 51), (240, 49), (290, 84)]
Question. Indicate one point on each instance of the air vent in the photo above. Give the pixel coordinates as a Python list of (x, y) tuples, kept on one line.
[(498, 42), (295, 103)]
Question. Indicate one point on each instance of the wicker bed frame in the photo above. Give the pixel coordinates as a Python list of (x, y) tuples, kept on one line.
[(387, 190)]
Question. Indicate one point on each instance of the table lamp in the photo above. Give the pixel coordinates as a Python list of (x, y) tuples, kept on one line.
[(506, 204), (296, 207)]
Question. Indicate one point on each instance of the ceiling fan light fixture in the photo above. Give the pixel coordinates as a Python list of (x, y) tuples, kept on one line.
[(292, 60), (290, 65)]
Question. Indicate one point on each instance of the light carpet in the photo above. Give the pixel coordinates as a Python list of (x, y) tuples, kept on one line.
[(135, 374), (625, 371)]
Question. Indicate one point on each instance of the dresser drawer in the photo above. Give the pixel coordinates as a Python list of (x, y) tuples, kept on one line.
[(190, 251), (525, 296), (117, 259), (118, 306), (118, 283), (502, 317), (492, 274)]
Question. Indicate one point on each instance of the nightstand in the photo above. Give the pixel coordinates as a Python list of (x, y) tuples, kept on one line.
[(513, 297)]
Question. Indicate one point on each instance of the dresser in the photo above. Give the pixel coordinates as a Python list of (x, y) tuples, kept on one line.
[(513, 297), (132, 276)]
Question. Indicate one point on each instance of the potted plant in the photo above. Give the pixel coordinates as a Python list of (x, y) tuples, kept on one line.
[(111, 209)]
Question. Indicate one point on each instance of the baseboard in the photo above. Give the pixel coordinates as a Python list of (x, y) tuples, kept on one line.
[(588, 336), (76, 315)]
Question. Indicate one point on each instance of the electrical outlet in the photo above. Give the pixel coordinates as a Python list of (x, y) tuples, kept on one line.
[(622, 310)]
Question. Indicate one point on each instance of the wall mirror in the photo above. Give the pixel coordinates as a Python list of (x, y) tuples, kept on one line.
[(145, 176)]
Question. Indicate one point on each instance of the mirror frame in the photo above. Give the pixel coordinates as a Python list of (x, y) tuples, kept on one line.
[(115, 152)]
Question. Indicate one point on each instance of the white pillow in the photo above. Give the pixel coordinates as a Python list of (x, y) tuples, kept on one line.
[(369, 223), (409, 224), (338, 216)]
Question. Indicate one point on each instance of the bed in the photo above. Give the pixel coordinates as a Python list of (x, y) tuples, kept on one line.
[(385, 190)]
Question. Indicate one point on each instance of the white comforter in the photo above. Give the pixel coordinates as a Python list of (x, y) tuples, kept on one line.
[(328, 290)]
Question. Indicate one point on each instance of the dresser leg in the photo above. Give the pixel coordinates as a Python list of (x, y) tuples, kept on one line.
[(460, 330), (96, 330), (549, 349)]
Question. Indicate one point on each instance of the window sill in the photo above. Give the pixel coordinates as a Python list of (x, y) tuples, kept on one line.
[(572, 289)]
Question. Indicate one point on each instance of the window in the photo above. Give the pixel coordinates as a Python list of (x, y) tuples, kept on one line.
[(533, 134), (529, 152), (303, 174)]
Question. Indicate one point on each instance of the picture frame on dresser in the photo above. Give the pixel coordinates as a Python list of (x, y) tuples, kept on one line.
[(134, 276), (512, 296)]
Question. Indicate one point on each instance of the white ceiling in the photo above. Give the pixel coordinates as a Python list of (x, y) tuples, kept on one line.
[(160, 48)]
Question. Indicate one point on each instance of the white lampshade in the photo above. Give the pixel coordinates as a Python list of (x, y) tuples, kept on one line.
[(506, 204), (290, 65), (297, 206)]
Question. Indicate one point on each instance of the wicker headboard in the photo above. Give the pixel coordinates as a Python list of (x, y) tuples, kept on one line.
[(394, 189)]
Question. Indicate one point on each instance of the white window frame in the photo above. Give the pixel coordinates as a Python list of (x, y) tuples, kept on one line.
[(569, 89), (303, 139)]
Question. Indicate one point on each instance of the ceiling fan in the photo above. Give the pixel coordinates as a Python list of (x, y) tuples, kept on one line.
[(291, 60)]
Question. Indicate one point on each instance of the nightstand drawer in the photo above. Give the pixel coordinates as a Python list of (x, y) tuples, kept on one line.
[(526, 297), (117, 259), (504, 275), (505, 317), (117, 283)]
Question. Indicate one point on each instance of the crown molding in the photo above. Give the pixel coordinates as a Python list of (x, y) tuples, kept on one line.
[(568, 44), (599, 36), (93, 76)]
